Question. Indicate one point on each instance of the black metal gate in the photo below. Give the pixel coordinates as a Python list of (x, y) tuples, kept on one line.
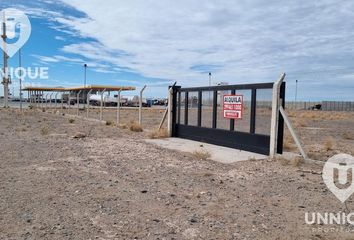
[(196, 116)]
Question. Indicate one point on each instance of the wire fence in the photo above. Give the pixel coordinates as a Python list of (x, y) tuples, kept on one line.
[(323, 105)]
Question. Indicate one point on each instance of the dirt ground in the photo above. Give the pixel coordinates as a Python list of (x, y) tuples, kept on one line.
[(112, 185)]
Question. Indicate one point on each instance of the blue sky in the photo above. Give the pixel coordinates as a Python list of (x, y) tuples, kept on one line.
[(138, 42)]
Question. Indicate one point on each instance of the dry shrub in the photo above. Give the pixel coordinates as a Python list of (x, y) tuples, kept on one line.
[(135, 127), (44, 131), (297, 161), (283, 161), (328, 144), (299, 123), (159, 133), (123, 126), (71, 120), (348, 136), (289, 144), (201, 154), (109, 123)]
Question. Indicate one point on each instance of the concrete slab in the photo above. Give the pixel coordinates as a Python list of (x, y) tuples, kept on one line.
[(218, 153)]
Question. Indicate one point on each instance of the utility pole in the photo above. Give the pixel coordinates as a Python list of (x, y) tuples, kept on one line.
[(20, 66), (5, 81), (209, 86), (85, 68), (296, 91)]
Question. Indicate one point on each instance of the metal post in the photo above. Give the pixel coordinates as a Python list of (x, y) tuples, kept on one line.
[(118, 107), (50, 100), (275, 116), (69, 102), (78, 102), (5, 81), (141, 105), (88, 103), (85, 68), (56, 102), (209, 86), (62, 102), (46, 101), (296, 91), (101, 108), (20, 66)]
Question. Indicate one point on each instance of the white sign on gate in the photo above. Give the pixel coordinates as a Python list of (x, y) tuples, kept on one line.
[(233, 106)]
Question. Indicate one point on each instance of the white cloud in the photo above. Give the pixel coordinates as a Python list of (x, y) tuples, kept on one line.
[(248, 41)]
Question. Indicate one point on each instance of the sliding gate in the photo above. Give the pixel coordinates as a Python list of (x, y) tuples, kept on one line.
[(198, 114)]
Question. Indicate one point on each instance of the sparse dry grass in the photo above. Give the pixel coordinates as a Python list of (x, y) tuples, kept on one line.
[(135, 127), (123, 126), (298, 122), (156, 134), (201, 154), (289, 144), (320, 115), (44, 130), (328, 144), (348, 136), (296, 161), (283, 161)]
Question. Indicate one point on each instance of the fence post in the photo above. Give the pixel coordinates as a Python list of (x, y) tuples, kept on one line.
[(118, 107), (56, 102), (169, 111), (141, 105), (101, 108), (46, 101), (275, 116), (88, 103), (62, 102), (50, 100), (78, 102)]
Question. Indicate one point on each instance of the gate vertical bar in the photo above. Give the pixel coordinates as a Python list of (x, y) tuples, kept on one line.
[(215, 108), (253, 111), (186, 109), (200, 108), (179, 107), (232, 121)]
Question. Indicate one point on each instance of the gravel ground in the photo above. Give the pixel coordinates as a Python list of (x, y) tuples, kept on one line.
[(112, 185)]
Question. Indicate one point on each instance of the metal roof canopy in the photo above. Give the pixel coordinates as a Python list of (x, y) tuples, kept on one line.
[(82, 88)]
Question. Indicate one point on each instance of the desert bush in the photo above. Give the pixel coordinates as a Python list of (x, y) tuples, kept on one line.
[(348, 136), (44, 130), (123, 126), (159, 133), (135, 127), (201, 154), (71, 120), (289, 144), (328, 144), (109, 123), (283, 161), (297, 161)]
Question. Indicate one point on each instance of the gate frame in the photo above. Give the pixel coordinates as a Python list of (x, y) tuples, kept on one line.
[(277, 121)]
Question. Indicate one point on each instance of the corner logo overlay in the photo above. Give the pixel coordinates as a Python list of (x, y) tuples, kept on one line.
[(17, 27), (338, 175)]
